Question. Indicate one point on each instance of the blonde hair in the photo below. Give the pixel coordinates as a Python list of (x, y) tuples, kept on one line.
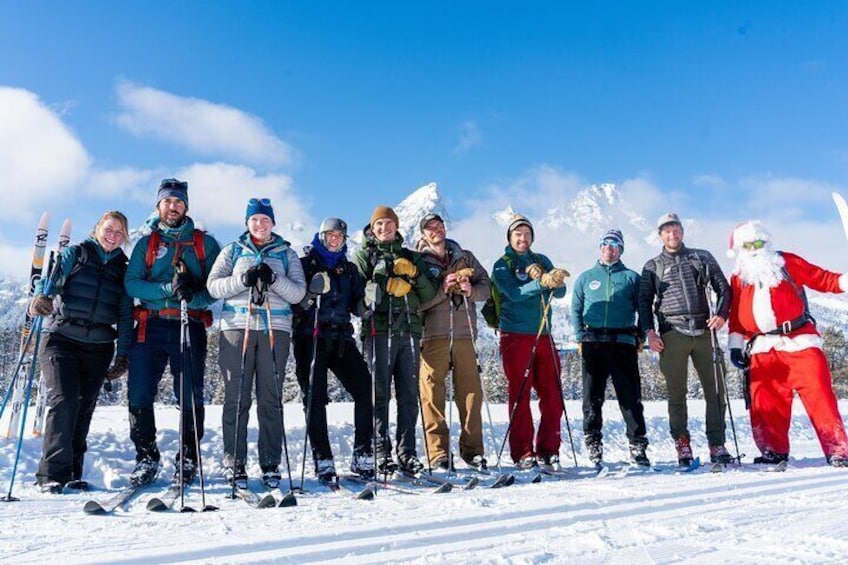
[(117, 216)]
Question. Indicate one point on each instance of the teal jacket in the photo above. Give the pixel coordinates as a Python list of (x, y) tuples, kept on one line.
[(154, 291), (521, 297), (605, 297)]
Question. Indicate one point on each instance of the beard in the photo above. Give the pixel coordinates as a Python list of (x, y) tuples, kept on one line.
[(763, 268)]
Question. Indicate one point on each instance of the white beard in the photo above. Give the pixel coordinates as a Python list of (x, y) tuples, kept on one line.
[(763, 268)]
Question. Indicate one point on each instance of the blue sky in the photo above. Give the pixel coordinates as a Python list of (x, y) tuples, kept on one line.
[(725, 111)]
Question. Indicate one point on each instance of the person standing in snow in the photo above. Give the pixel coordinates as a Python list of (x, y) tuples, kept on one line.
[(673, 286), (396, 286), (259, 277), (526, 282), (450, 326), (341, 289), (770, 321), (166, 267), (88, 309), (604, 304)]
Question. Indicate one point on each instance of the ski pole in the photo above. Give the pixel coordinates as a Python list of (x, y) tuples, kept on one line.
[(288, 499), (555, 360), (524, 379), (244, 342), (492, 438), (415, 365), (185, 347), (309, 391), (373, 359), (449, 387)]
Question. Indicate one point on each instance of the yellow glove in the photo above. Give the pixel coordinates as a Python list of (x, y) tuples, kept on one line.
[(534, 271), (454, 281), (405, 267), (397, 287), (550, 280), (559, 276)]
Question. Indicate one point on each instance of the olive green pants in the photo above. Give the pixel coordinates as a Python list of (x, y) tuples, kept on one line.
[(674, 365)]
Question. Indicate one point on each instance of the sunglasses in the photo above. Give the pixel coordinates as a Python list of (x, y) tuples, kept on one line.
[(260, 201), (611, 243), (758, 244), (181, 185)]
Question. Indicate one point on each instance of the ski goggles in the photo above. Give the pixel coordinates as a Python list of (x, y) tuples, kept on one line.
[(259, 201), (758, 244), (614, 243)]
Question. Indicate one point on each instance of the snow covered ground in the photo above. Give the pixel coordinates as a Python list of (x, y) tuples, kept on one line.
[(743, 516)]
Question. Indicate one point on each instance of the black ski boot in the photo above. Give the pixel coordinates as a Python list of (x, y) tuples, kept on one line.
[(145, 472)]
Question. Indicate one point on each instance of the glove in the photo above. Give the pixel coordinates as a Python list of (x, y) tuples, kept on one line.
[(405, 267), (373, 294), (736, 358), (320, 283), (41, 305), (116, 371), (398, 287), (534, 271), (183, 284), (266, 273), (454, 281), (549, 280), (559, 275)]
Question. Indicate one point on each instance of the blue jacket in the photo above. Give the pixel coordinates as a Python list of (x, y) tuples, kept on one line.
[(606, 297), (521, 297), (154, 290)]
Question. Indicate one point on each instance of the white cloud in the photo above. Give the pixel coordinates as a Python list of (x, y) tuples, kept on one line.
[(40, 158), (15, 261), (210, 129), (218, 195), (709, 181), (469, 136)]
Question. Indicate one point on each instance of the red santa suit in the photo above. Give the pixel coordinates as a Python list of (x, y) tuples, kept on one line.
[(785, 356)]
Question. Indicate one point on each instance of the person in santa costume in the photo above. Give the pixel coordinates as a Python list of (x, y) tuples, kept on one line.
[(769, 319)]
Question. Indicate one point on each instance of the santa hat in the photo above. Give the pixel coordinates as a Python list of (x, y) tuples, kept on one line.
[(746, 232)]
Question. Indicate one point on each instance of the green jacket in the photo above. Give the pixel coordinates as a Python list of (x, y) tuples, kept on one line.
[(605, 298), (374, 261)]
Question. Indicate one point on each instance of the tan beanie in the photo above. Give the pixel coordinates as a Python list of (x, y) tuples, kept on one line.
[(381, 212)]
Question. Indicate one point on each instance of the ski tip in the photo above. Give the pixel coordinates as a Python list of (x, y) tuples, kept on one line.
[(209, 508), (93, 507), (268, 501), (447, 487), (188, 509), (366, 494), (287, 501), (537, 478), (471, 483), (156, 505)]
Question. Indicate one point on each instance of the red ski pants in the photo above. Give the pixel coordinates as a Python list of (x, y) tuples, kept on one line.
[(774, 375), (543, 376)]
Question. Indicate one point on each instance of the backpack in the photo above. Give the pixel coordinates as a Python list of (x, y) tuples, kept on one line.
[(693, 259), (197, 242), (492, 307)]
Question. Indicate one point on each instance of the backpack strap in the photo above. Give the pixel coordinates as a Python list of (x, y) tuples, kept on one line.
[(198, 242)]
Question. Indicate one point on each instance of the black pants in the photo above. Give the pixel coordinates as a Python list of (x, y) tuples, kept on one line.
[(602, 360), (341, 356), (74, 372)]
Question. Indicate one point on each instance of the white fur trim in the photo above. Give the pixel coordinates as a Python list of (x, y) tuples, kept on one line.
[(762, 309), (843, 282), (735, 341), (800, 342)]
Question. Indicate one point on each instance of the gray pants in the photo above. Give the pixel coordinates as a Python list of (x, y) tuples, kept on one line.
[(674, 364), (402, 364), (259, 369)]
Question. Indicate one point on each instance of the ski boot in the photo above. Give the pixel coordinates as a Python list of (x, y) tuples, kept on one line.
[(325, 470), (145, 472), (719, 454), (684, 452), (271, 476), (638, 456), (362, 464), (410, 464)]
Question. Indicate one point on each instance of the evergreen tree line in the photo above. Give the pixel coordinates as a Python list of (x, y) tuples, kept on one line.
[(494, 381)]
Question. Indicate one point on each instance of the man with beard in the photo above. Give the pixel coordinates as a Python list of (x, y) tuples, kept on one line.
[(783, 348), (673, 286), (168, 266)]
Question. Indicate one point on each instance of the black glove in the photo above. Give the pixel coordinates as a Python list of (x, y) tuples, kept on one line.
[(183, 285), (116, 371), (736, 358), (266, 273), (320, 283)]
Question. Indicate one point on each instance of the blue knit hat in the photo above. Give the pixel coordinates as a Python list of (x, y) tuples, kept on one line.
[(259, 206), (172, 187), (614, 235)]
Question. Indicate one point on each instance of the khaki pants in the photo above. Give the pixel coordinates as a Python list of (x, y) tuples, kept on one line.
[(674, 364), (435, 354)]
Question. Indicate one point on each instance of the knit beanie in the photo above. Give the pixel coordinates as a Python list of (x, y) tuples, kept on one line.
[(381, 212), (614, 235), (259, 206), (519, 220), (172, 188)]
